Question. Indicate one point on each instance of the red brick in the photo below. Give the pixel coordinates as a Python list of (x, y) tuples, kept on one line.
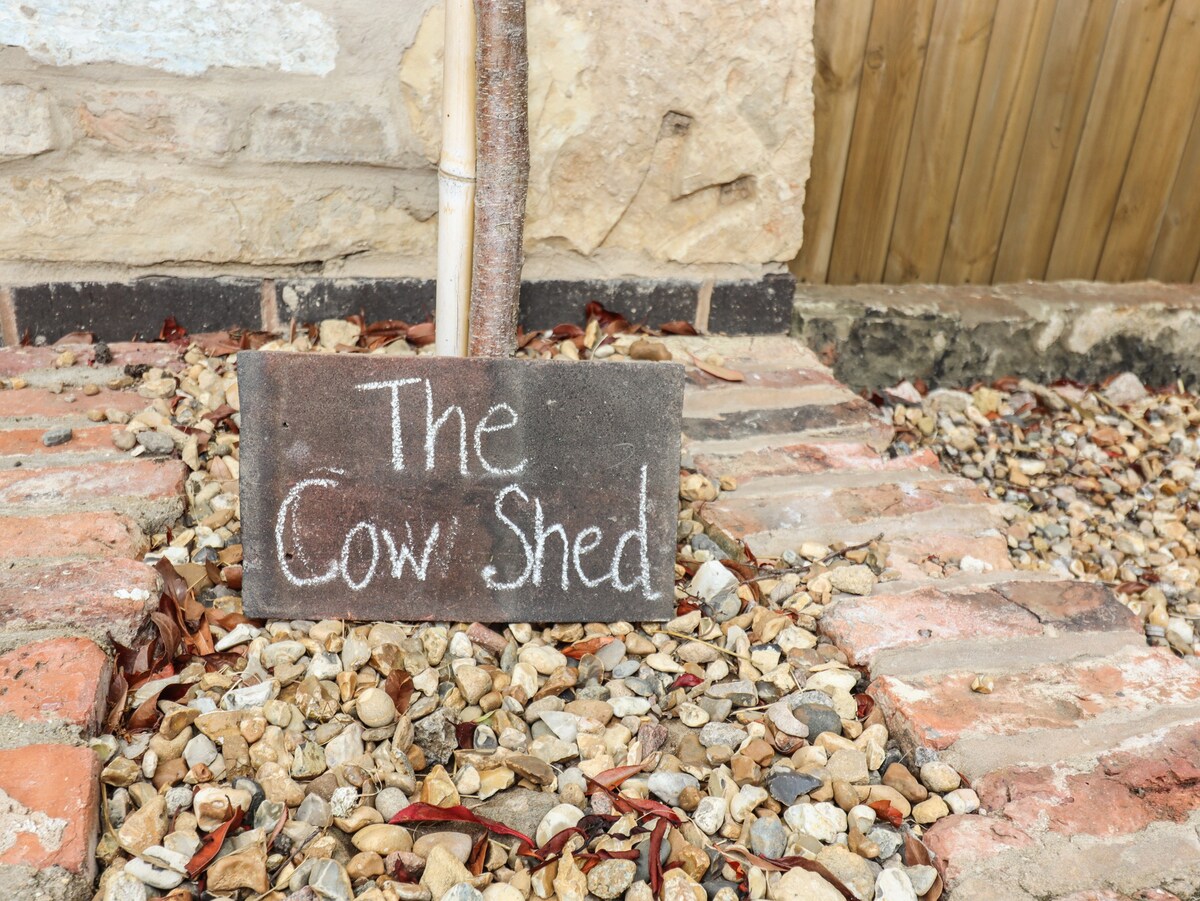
[(22, 360), (1073, 606), (786, 459), (28, 442), (962, 840), (936, 710), (97, 596), (916, 554), (93, 484), (49, 807), (862, 627), (808, 508), (1155, 777), (61, 680), (101, 534), (30, 402)]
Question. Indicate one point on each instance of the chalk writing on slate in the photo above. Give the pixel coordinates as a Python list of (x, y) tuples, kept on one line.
[(425, 488)]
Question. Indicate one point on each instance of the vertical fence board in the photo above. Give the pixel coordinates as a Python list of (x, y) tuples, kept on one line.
[(840, 39), (887, 97), (1177, 250), (954, 61), (1055, 125), (1157, 150), (1126, 66), (1009, 80)]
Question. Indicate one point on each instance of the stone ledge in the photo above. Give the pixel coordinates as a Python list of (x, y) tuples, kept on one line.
[(877, 335)]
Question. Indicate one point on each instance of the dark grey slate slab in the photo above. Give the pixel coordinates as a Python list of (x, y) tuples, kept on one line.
[(410, 489), (121, 311)]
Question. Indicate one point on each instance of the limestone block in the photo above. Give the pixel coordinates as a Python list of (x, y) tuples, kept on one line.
[(680, 129), (152, 220), (327, 131), (176, 36), (159, 121), (28, 118)]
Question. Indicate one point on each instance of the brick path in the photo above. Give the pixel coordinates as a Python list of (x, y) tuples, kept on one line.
[(1086, 755), (73, 520)]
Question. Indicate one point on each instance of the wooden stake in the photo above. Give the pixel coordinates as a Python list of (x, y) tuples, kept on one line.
[(456, 181), (503, 126)]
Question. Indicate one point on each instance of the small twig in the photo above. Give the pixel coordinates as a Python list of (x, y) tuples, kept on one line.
[(704, 641), (1141, 425)]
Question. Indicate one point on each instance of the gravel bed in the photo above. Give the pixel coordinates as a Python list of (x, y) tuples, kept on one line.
[(728, 753), (1099, 482)]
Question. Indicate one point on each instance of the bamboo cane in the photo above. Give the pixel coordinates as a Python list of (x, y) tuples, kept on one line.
[(456, 181)]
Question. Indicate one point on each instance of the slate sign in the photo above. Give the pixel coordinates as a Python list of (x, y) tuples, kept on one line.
[(427, 488)]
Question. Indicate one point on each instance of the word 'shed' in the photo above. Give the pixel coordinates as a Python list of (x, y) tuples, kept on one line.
[(391, 488)]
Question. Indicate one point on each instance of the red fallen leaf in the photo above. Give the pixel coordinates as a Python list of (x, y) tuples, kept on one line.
[(739, 857), (118, 693), (421, 334), (678, 327), (865, 703), (478, 856), (76, 338), (656, 872), (566, 330), (465, 733), (687, 680), (399, 687), (1131, 588), (611, 779), (588, 646), (417, 813), (646, 807), (722, 372), (685, 607), (212, 842), (524, 337), (171, 330), (400, 872), (916, 853), (887, 811), (592, 858)]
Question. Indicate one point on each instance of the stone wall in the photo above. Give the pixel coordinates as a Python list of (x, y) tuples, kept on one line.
[(269, 138)]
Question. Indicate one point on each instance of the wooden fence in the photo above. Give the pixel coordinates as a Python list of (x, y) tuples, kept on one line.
[(975, 141)]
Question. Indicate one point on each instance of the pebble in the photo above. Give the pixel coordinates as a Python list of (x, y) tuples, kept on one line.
[(962, 800), (894, 885), (58, 435), (376, 708), (750, 751), (668, 786), (768, 837), (930, 810), (940, 777), (156, 443)]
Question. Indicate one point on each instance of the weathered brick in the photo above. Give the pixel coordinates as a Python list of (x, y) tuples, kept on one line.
[(935, 710), (38, 402), (61, 680), (783, 513), (63, 535), (1150, 778), (864, 627), (923, 553), (158, 122), (26, 360), (149, 491), (49, 803), (1073, 606), (28, 443), (783, 459), (96, 596), (961, 841)]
